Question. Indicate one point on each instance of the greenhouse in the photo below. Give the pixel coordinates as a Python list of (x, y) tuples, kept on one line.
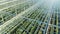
[(29, 16)]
